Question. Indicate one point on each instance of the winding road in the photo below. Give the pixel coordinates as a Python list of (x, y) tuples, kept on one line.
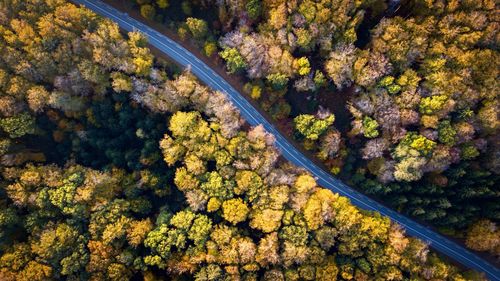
[(253, 117)]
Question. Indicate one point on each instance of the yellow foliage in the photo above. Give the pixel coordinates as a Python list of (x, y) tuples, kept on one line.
[(234, 210), (318, 209), (430, 121), (213, 204), (266, 220), (137, 231), (304, 183)]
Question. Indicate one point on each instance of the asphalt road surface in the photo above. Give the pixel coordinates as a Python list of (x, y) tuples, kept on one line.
[(253, 117)]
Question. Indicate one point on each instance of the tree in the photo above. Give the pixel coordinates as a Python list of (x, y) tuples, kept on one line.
[(266, 220), (197, 27), (209, 48), (446, 133), (186, 8), (148, 11), (370, 127), (488, 116), (484, 236), (339, 65), (278, 81), (319, 79), (303, 66), (200, 230), (329, 144), (189, 125), (254, 9), (249, 183), (234, 210), (409, 169), (317, 209), (312, 127), (234, 60), (19, 125), (162, 4), (433, 104), (121, 82), (420, 143), (137, 231), (38, 98), (62, 247)]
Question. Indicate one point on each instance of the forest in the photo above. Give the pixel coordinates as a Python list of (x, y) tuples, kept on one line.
[(397, 98), (118, 165)]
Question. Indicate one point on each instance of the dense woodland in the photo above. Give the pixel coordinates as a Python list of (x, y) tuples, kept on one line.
[(117, 166), (421, 81)]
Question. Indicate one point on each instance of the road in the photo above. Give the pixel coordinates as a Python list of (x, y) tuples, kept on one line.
[(253, 117)]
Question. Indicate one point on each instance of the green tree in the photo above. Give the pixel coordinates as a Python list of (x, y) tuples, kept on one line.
[(433, 104), (197, 27), (370, 127), (311, 127), (303, 66), (200, 230), (189, 125), (254, 9), (19, 125), (162, 4), (234, 60), (277, 80), (209, 48), (148, 11), (446, 133)]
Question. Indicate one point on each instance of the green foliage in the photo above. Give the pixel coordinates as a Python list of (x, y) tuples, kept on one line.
[(431, 105), (186, 8), (63, 196), (277, 80), (214, 186), (418, 142), (370, 127), (303, 66), (148, 11), (254, 9), (200, 230), (386, 81), (394, 89), (469, 151), (19, 125), (197, 27), (209, 48), (294, 234), (113, 135), (446, 133), (183, 220), (311, 127), (319, 79), (234, 61), (162, 4), (248, 182)]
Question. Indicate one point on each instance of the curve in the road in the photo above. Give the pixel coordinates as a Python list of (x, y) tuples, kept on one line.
[(253, 117)]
